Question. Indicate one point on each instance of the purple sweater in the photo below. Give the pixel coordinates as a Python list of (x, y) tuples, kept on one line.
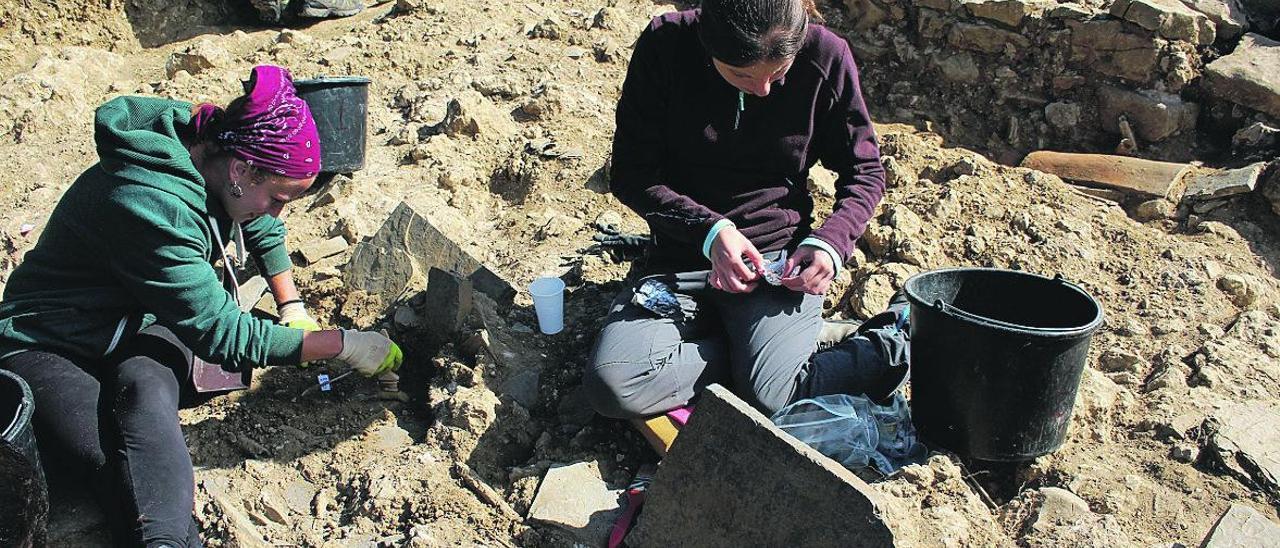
[(680, 162)]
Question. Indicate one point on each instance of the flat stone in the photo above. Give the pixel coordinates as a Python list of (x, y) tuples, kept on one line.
[(1223, 183), (1248, 76), (1228, 16), (940, 5), (1132, 175), (985, 39), (250, 291), (1242, 526), (1169, 18), (575, 499), (1062, 115), (781, 492), (201, 56), (407, 243), (1245, 438), (958, 68), (1154, 115), (314, 252), (1271, 190), (1007, 12), (1104, 46)]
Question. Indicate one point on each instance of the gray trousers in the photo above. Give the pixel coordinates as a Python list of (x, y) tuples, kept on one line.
[(757, 343)]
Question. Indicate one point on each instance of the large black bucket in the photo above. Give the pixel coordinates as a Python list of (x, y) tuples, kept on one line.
[(24, 497), (340, 106), (996, 358)]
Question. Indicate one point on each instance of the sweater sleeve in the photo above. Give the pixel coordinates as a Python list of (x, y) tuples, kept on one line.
[(264, 238), (636, 177), (162, 262), (848, 147)]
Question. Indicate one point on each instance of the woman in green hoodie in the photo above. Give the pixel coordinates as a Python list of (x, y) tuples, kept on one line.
[(103, 315)]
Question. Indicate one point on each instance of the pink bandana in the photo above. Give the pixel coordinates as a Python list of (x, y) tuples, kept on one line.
[(271, 129)]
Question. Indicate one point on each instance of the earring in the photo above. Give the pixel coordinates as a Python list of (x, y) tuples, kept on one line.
[(236, 191)]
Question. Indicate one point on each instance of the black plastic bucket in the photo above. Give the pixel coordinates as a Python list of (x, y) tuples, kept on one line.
[(24, 497), (996, 358), (340, 106)]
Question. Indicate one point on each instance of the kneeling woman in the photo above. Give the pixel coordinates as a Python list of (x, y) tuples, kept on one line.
[(103, 315), (723, 112)]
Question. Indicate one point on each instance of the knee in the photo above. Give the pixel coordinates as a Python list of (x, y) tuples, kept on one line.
[(614, 392), (145, 383)]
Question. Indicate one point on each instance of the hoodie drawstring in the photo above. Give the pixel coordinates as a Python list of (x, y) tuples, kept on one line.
[(742, 105), (226, 259)]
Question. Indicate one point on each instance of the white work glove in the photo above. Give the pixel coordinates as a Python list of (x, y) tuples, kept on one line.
[(369, 353), (294, 314)]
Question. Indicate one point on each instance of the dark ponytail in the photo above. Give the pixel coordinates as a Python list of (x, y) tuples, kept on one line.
[(744, 32)]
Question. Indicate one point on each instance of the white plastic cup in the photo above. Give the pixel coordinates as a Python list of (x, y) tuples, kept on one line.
[(548, 302)]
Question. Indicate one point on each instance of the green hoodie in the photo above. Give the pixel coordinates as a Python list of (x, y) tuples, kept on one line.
[(131, 243)]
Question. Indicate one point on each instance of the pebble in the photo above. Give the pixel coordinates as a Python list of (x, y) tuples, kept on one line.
[(1184, 452)]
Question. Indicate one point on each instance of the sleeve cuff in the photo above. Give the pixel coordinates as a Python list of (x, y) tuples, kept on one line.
[(820, 244), (275, 261), (711, 236)]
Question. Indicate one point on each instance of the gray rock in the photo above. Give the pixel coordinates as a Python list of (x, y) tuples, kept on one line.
[(608, 221), (1062, 115), (1153, 210), (1248, 76), (409, 243), (1242, 289), (1255, 136), (1155, 115), (575, 499), (1184, 452), (731, 455), (522, 387), (897, 175), (1170, 18), (1223, 183), (1240, 526), (314, 251), (406, 318), (1245, 439), (449, 302)]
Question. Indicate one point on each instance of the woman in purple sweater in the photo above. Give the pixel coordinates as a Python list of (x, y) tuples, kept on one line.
[(723, 112)]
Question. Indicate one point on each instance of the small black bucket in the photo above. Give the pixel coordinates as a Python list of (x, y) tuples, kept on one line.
[(24, 497), (340, 106), (996, 358)]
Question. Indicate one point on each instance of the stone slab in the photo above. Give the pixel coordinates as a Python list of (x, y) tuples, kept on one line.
[(1132, 175), (1228, 16), (1169, 18), (734, 479), (314, 252), (1223, 183), (447, 305), (1245, 438), (1248, 76), (408, 243), (575, 499), (250, 291), (1155, 115), (1242, 527)]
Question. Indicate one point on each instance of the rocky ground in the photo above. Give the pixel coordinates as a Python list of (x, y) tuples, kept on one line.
[(493, 120)]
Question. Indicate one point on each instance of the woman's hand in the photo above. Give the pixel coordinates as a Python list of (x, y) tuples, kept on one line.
[(728, 271), (817, 270), (294, 314)]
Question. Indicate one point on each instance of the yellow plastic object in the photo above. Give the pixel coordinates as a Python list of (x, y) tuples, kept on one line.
[(660, 431)]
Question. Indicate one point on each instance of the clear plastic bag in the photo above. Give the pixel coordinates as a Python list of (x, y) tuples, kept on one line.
[(854, 431)]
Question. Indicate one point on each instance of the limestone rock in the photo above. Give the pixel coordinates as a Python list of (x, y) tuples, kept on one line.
[(985, 39), (1241, 525), (1117, 360), (1059, 507), (1245, 439), (1170, 18), (1154, 115), (1105, 46), (199, 57), (1248, 76), (1228, 16), (731, 454), (958, 68), (1223, 183), (1062, 115), (1242, 289), (576, 499), (1007, 12)]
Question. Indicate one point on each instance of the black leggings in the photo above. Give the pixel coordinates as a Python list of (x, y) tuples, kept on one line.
[(114, 423)]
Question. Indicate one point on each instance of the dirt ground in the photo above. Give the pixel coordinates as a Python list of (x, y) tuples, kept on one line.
[(520, 186)]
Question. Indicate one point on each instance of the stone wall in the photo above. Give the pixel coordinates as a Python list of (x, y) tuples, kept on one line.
[(1012, 76)]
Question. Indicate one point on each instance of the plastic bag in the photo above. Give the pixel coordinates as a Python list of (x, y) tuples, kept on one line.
[(855, 432)]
